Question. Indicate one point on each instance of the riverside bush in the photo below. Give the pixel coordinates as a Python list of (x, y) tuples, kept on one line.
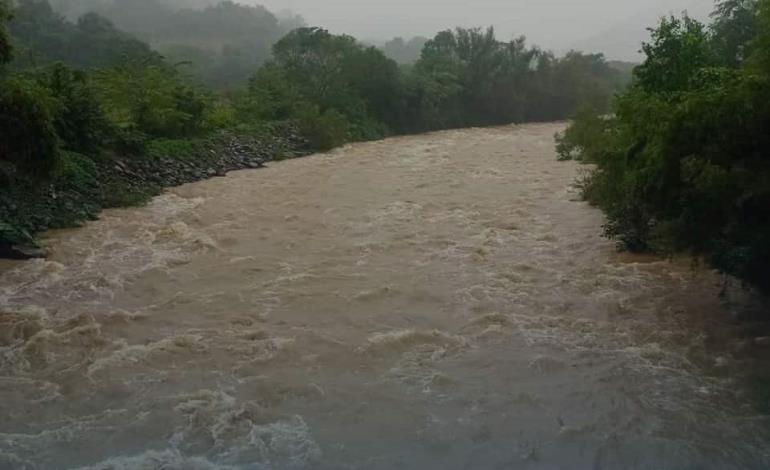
[(29, 144), (683, 162)]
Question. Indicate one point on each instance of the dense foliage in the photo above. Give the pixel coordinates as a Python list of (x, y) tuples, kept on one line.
[(80, 94), (351, 91), (28, 140), (42, 36), (683, 163), (222, 41), (469, 78), (113, 94), (464, 77), (5, 40)]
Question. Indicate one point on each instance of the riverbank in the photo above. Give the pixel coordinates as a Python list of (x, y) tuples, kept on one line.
[(85, 185), (432, 301)]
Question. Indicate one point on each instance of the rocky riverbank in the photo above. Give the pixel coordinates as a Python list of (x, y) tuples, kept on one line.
[(85, 186)]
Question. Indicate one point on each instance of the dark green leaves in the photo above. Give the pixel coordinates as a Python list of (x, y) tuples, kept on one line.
[(683, 164)]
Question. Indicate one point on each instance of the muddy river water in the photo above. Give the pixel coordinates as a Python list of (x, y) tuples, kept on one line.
[(442, 301)]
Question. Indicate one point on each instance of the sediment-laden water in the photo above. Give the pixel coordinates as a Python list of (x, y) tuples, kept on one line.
[(441, 301)]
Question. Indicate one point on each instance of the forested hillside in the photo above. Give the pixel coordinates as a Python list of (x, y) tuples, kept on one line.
[(223, 42), (78, 96), (683, 160), (41, 36)]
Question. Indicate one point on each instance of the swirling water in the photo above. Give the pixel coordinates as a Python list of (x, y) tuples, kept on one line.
[(441, 301)]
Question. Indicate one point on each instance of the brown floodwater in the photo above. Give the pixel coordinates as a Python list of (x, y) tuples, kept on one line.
[(442, 301)]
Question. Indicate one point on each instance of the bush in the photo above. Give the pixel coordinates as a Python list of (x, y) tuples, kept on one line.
[(324, 131), (151, 100), (588, 136), (174, 148), (6, 50), (682, 165), (79, 118), (271, 96), (46, 37), (29, 145), (219, 115), (78, 170)]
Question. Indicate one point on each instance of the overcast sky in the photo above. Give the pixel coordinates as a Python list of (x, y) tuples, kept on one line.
[(552, 24)]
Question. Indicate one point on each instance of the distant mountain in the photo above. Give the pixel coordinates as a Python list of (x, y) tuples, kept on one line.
[(624, 40)]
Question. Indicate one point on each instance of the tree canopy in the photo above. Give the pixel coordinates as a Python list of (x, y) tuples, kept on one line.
[(44, 37), (222, 41), (684, 160), (5, 40), (80, 90)]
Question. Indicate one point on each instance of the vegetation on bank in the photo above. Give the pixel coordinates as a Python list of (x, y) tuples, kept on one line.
[(86, 107), (682, 163)]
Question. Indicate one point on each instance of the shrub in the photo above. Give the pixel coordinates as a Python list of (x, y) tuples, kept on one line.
[(6, 50), (586, 138), (79, 118), (683, 164), (29, 145), (324, 130), (173, 148), (77, 170), (151, 100)]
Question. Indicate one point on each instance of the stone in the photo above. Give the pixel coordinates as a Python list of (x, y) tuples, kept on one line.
[(21, 252)]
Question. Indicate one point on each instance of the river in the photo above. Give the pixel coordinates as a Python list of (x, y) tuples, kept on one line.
[(442, 301)]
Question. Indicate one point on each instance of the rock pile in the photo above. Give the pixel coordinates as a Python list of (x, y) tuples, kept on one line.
[(25, 210)]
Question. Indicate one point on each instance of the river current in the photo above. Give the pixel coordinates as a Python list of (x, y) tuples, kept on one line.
[(442, 301)]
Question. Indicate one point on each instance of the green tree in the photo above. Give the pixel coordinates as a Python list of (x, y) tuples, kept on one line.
[(679, 47), (682, 163), (5, 41), (734, 25), (229, 39), (79, 118), (759, 60), (151, 100), (46, 37), (469, 78), (272, 95), (333, 72), (313, 59), (29, 145)]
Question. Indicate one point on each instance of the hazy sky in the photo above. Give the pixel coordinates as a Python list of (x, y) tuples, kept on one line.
[(553, 24)]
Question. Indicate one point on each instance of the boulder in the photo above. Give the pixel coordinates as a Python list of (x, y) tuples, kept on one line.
[(24, 251)]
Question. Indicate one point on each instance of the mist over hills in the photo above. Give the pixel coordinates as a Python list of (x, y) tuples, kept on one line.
[(223, 42), (614, 27), (559, 25), (623, 40)]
